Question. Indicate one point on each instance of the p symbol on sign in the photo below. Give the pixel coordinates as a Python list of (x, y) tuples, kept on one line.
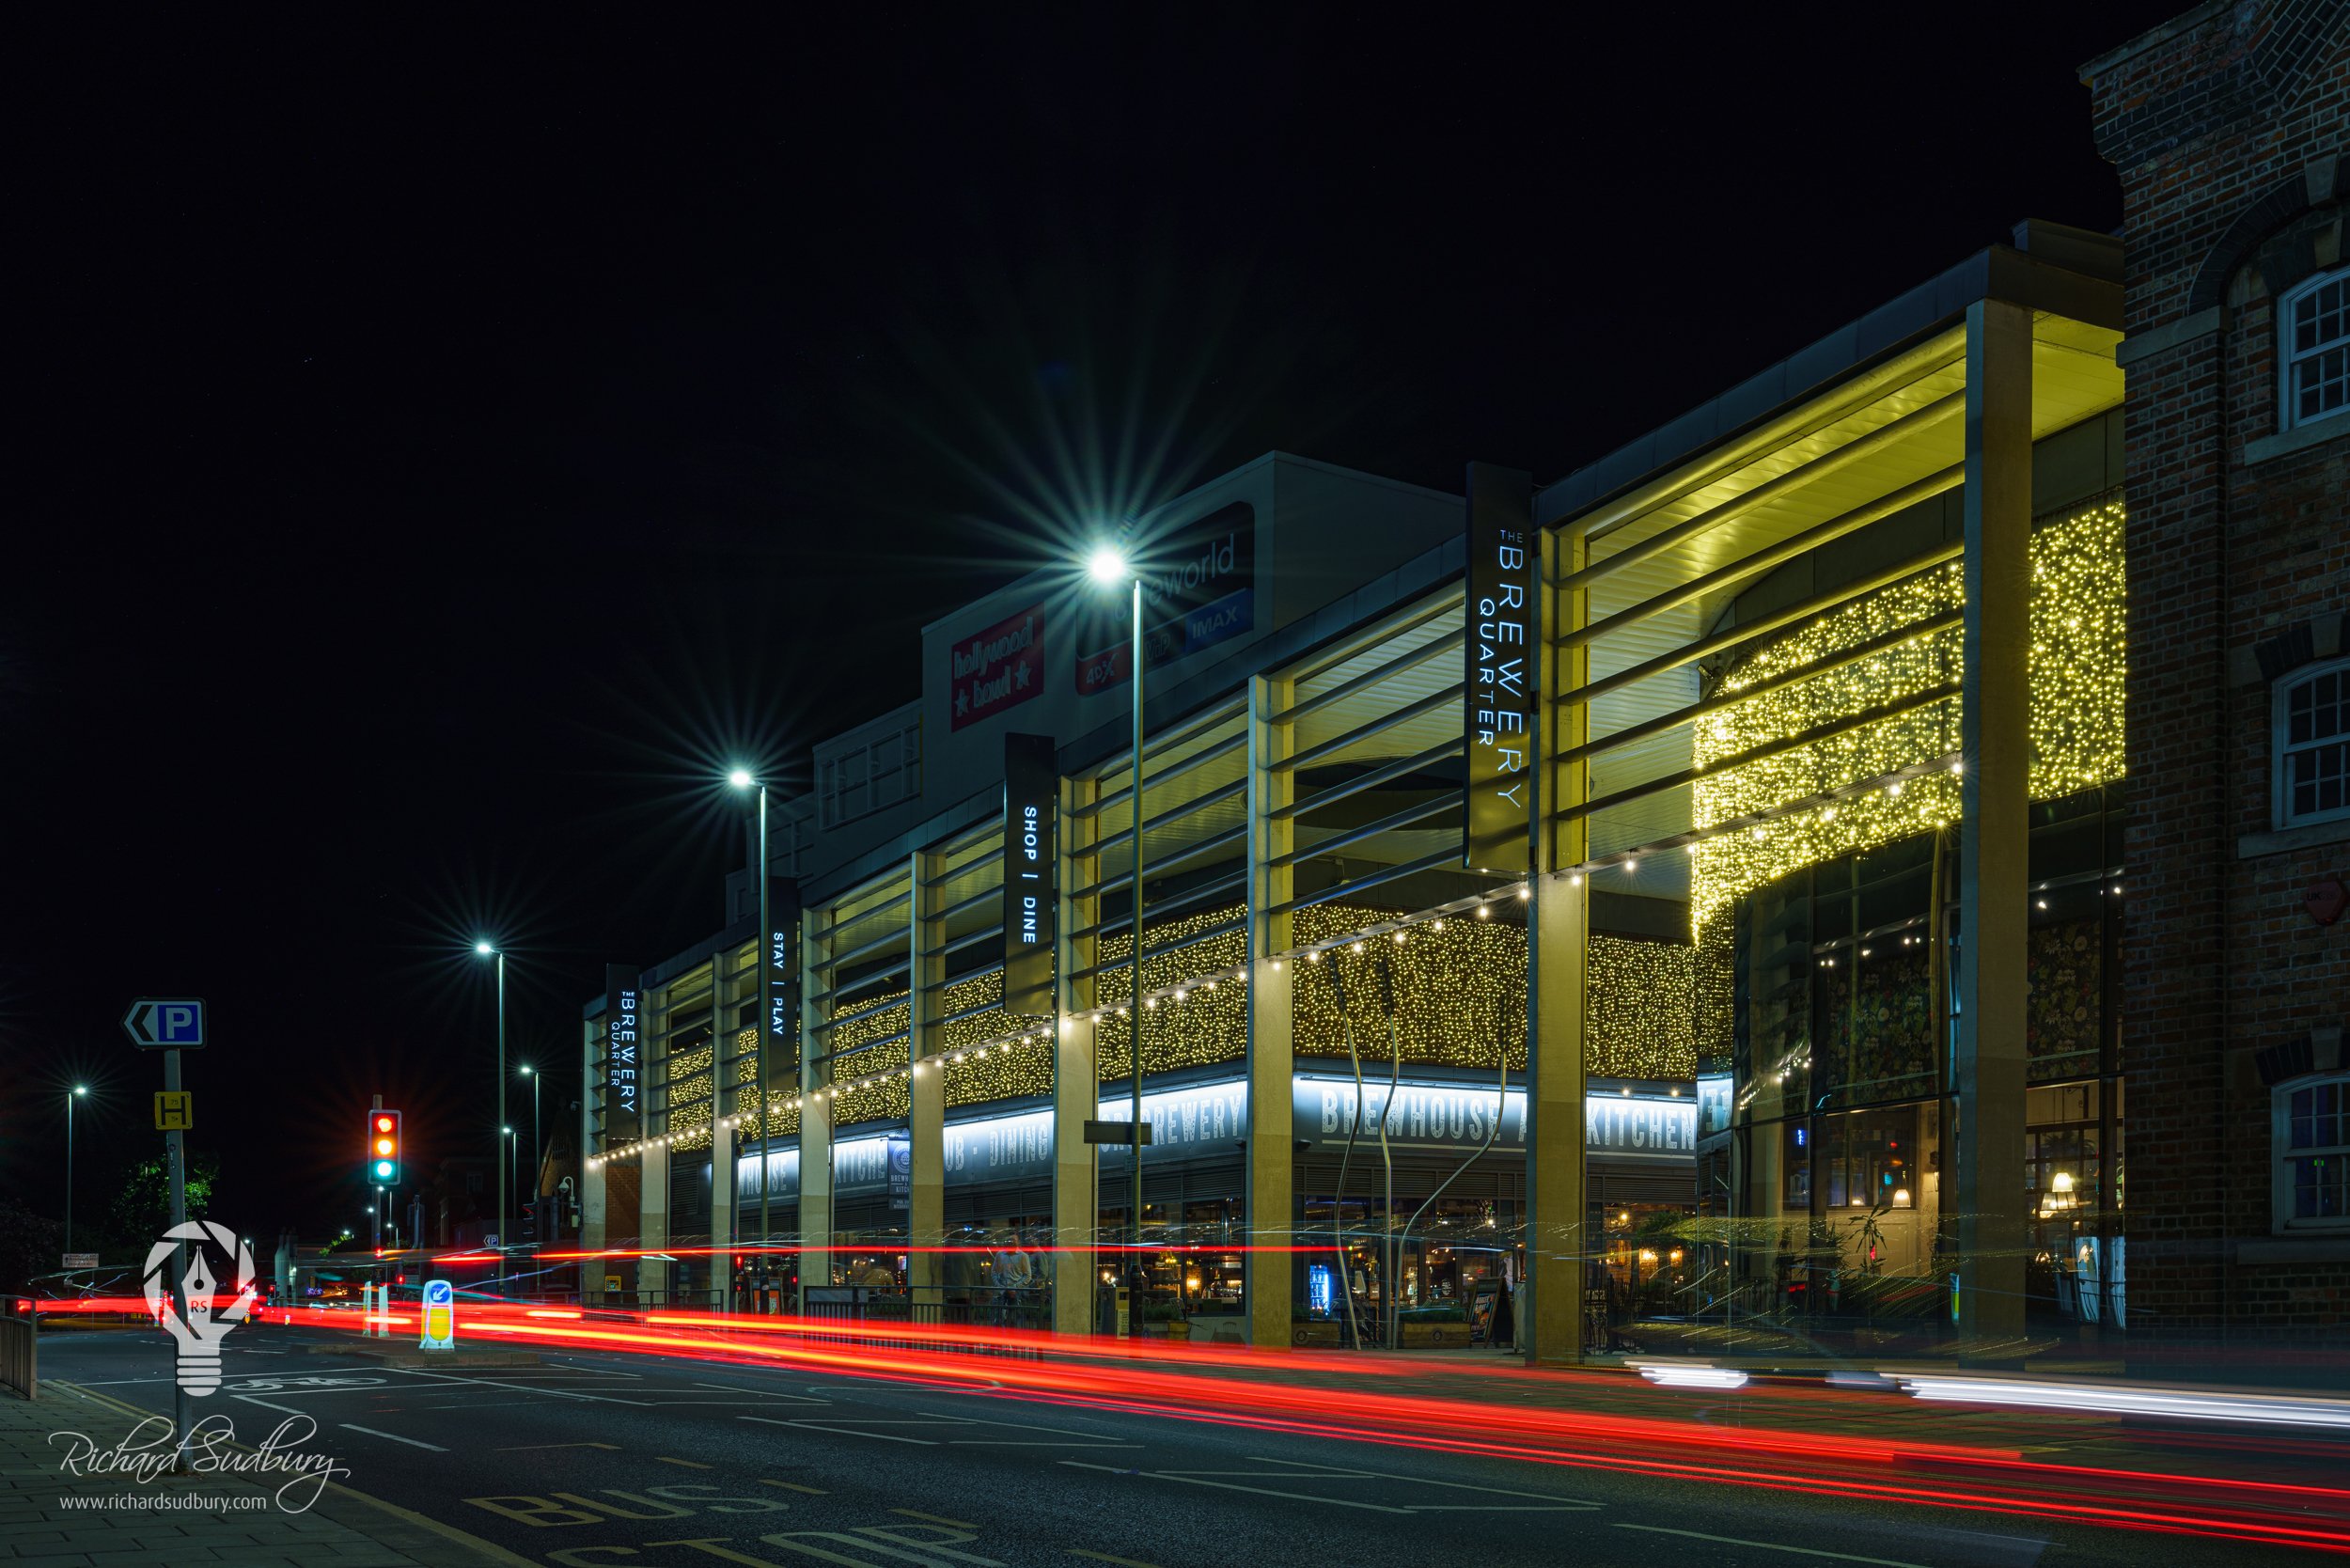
[(177, 1021)]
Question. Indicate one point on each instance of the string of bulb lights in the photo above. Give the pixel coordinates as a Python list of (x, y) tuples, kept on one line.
[(1751, 822)]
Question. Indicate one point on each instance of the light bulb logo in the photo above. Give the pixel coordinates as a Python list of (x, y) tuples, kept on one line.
[(198, 1335)]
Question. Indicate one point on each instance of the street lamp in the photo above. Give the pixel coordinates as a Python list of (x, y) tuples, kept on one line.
[(506, 1153), (80, 1091), (538, 1156), (489, 950), (1108, 565), (741, 779)]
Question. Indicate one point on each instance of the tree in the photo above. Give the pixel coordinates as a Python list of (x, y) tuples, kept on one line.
[(29, 1245), (142, 1207)]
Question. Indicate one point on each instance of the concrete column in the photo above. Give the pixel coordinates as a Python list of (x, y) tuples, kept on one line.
[(926, 1211), (591, 1177), (721, 1211), (1075, 1081), (724, 999), (1558, 942), (1993, 840), (815, 1116), (1269, 1277), (653, 1208)]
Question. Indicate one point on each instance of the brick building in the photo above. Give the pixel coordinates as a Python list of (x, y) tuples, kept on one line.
[(2226, 125)]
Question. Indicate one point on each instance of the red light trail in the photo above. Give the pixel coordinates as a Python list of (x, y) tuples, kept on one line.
[(1274, 1392)]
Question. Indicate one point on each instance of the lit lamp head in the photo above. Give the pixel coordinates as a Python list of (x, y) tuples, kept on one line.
[(526, 1070), (1107, 566), (741, 779), (81, 1089), (485, 948)]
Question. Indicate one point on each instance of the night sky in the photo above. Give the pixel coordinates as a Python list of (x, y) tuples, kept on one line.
[(448, 452)]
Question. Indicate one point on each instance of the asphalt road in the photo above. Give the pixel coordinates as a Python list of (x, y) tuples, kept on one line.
[(653, 1461)]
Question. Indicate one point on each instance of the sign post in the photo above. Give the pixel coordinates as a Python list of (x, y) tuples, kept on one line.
[(440, 1316), (176, 1157), (173, 1025)]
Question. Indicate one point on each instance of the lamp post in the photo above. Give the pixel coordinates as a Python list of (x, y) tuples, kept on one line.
[(80, 1090), (1108, 566), (489, 950), (741, 779), (507, 1154), (538, 1156)]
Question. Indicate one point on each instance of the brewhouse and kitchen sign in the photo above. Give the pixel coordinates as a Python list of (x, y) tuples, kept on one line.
[(996, 668), (1455, 1115), (1199, 589), (1031, 782), (1499, 713)]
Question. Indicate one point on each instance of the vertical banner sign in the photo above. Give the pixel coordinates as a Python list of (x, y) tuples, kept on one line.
[(901, 1170), (1500, 694), (779, 963), (1031, 786), (623, 1052)]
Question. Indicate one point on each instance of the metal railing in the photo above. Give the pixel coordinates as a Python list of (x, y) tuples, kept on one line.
[(866, 1313), (20, 1353)]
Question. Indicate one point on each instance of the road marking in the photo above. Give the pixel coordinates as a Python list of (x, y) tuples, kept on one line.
[(526, 1448), (256, 1399), (354, 1426), (763, 1393), (843, 1431), (1235, 1486), (1104, 1556), (689, 1463), (1029, 1443), (1770, 1546), (1308, 1467), (794, 1486), (935, 1518), (520, 1387)]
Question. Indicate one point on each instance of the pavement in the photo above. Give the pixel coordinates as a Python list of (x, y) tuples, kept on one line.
[(582, 1459), (59, 1508)]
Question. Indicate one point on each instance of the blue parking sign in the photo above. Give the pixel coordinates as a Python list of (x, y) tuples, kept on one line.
[(166, 1023)]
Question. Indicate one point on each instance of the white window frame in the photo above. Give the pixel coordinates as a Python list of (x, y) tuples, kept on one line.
[(2289, 415), (2280, 749), (2282, 1153)]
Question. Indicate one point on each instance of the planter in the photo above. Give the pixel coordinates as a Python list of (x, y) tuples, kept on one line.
[(1317, 1334), (1433, 1333)]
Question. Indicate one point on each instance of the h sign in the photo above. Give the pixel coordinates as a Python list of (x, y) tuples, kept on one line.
[(176, 1024)]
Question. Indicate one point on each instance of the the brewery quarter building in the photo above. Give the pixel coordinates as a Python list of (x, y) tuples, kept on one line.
[(1732, 826), (2227, 128)]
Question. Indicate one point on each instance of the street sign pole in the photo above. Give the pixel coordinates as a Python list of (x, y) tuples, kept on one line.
[(175, 1158), (171, 1025)]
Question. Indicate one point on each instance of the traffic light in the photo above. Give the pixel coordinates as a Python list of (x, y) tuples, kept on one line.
[(383, 1145)]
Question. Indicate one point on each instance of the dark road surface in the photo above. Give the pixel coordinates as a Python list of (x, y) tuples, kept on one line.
[(639, 1459)]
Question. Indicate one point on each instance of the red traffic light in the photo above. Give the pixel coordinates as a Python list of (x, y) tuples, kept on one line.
[(382, 1124)]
